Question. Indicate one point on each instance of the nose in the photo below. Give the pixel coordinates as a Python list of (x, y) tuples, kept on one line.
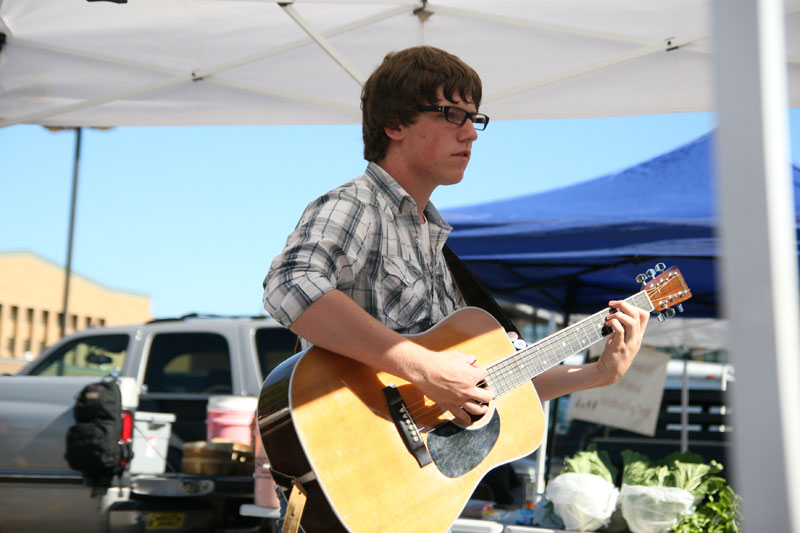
[(468, 132)]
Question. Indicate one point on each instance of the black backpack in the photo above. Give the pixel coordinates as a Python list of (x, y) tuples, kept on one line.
[(93, 443)]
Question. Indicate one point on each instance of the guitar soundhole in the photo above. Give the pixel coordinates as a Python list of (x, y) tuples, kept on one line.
[(456, 450)]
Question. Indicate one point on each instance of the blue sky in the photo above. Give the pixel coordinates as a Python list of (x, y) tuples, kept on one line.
[(192, 216)]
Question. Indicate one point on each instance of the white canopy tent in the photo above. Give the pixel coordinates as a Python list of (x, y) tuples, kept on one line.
[(687, 333), (149, 62)]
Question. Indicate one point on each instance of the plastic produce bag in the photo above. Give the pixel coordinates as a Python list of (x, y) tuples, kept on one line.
[(654, 509), (545, 516), (585, 502)]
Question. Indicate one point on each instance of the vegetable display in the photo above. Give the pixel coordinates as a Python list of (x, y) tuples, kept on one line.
[(680, 493), (714, 504)]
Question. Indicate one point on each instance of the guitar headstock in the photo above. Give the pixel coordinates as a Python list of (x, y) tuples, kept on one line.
[(666, 289)]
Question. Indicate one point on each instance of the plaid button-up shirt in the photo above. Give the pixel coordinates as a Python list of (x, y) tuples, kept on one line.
[(363, 238)]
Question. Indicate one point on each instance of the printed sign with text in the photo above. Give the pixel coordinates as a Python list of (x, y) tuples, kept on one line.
[(633, 402)]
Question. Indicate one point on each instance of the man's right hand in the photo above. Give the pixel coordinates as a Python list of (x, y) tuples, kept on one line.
[(451, 379)]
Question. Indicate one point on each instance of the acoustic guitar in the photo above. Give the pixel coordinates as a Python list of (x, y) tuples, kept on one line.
[(375, 455)]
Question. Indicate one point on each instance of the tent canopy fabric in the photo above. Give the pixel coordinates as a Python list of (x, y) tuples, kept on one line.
[(575, 248), (192, 62)]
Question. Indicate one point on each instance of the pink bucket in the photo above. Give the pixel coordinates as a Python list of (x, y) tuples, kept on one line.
[(230, 418)]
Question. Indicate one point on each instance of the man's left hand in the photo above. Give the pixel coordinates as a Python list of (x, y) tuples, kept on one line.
[(628, 324)]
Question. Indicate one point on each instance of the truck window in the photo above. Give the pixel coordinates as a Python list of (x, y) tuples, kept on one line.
[(97, 355), (189, 363), (273, 345)]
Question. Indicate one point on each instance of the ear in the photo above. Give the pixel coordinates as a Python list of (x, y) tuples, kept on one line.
[(394, 132)]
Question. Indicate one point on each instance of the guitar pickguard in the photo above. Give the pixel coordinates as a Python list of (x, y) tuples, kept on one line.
[(457, 450)]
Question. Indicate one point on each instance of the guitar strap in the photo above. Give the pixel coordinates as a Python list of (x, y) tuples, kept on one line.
[(475, 292), (294, 508)]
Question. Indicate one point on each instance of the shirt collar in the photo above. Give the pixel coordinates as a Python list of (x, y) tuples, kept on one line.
[(397, 195)]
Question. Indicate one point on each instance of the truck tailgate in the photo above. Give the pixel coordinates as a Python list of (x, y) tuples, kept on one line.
[(35, 413)]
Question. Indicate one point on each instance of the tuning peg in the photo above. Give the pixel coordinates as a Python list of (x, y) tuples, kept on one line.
[(679, 307), (641, 279), (660, 317), (650, 273), (660, 267), (670, 312)]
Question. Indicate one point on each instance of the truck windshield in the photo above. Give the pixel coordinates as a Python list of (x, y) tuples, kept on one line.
[(96, 355)]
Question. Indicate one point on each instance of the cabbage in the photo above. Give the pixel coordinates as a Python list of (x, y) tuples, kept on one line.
[(591, 461), (686, 471)]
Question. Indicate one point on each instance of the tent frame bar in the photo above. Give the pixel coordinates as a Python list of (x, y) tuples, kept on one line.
[(323, 43), (657, 47), (209, 74)]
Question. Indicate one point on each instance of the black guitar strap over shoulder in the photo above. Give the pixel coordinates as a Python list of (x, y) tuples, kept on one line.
[(475, 293)]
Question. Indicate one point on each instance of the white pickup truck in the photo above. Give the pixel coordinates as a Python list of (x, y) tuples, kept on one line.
[(165, 366)]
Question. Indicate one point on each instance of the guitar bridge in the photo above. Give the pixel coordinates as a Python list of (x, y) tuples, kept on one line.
[(406, 426)]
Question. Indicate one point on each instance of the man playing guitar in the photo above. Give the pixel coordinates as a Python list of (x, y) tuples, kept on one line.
[(364, 266)]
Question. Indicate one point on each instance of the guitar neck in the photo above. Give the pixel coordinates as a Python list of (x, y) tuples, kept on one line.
[(519, 367)]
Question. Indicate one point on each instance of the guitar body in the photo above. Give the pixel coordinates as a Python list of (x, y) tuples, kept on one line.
[(325, 418)]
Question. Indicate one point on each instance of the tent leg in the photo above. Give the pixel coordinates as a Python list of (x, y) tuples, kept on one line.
[(759, 258)]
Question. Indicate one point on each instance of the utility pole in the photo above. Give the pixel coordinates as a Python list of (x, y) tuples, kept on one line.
[(68, 269)]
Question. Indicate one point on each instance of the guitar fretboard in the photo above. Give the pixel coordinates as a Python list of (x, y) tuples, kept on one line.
[(531, 361)]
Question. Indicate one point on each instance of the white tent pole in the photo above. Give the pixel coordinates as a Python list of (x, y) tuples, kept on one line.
[(323, 43), (258, 89), (176, 79), (94, 56), (659, 47), (205, 73), (759, 266), (685, 43), (55, 111), (564, 29), (536, 24), (332, 32)]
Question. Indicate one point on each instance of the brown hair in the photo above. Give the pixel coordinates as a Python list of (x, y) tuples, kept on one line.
[(405, 80)]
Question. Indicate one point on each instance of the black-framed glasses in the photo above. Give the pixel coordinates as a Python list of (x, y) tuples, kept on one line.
[(458, 116)]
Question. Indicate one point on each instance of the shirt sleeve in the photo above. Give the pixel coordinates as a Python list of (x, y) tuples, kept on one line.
[(321, 254)]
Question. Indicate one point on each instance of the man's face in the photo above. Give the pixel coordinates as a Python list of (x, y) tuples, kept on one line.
[(437, 150)]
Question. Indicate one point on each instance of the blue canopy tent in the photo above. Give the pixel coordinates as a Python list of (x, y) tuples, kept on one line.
[(575, 248)]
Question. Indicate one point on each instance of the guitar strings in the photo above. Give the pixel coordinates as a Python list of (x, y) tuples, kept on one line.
[(427, 414), (504, 370)]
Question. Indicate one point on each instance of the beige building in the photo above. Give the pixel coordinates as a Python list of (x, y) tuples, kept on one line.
[(31, 305)]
